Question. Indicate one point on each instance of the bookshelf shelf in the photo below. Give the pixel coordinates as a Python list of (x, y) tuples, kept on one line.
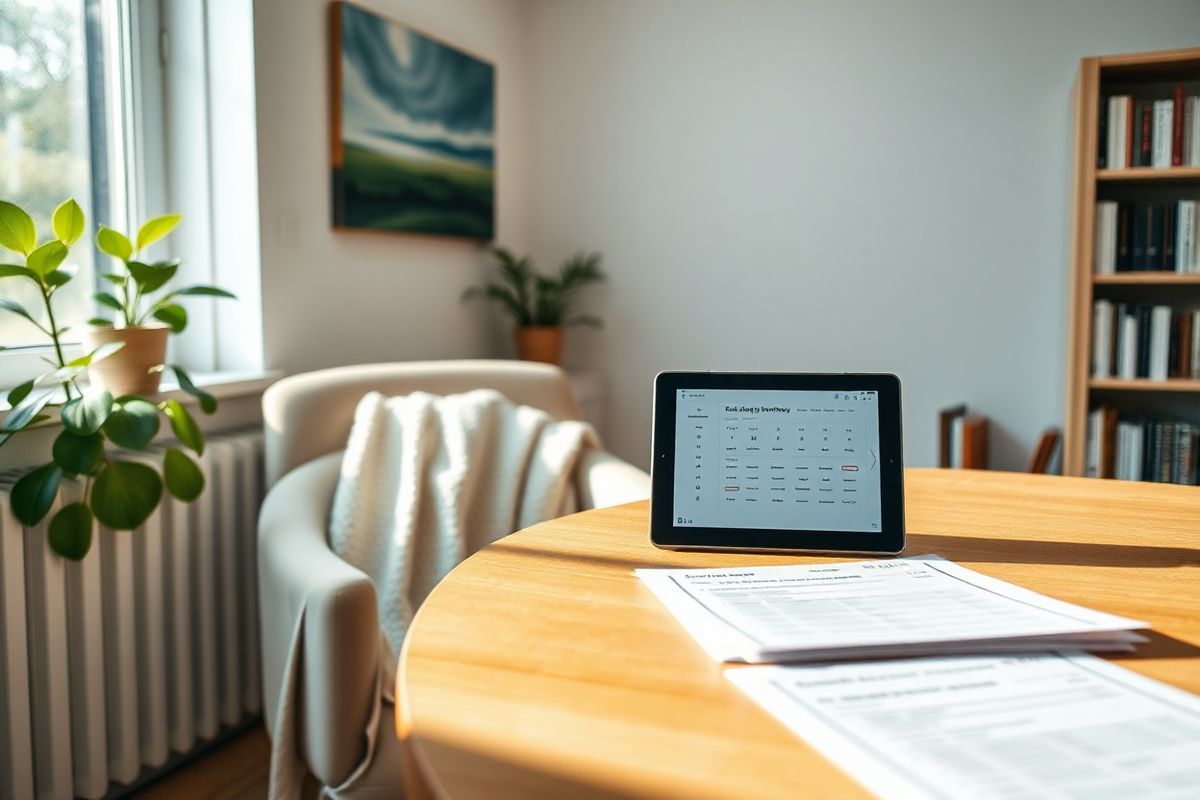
[(1144, 385), (1145, 76), (1156, 174), (1148, 279)]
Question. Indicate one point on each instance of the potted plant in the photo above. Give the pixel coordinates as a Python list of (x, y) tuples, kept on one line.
[(97, 425), (136, 368), (541, 305)]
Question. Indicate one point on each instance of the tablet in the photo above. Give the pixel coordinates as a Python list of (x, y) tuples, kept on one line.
[(777, 462)]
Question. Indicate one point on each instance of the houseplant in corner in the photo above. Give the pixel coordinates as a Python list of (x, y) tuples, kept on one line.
[(96, 484), (541, 305)]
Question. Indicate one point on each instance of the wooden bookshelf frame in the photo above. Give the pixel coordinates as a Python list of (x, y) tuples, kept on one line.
[(1163, 66)]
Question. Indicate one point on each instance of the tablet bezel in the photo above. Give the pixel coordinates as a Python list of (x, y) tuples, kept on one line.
[(664, 534)]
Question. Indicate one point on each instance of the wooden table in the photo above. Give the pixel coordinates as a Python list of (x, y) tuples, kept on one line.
[(542, 668)]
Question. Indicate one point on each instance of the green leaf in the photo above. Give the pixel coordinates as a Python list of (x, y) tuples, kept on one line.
[(184, 479), (132, 423), (174, 316), (24, 412), (20, 393), (68, 222), (125, 493), (100, 322), (99, 354), (85, 415), (33, 495), (114, 243), (17, 308), (71, 531), (185, 428), (208, 403), (15, 270), (62, 275), (152, 276), (114, 278), (106, 299), (16, 229), (46, 258), (78, 455), (155, 229), (204, 291)]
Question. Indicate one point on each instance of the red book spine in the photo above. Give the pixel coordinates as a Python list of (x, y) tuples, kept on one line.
[(1128, 132), (1144, 159), (1179, 96)]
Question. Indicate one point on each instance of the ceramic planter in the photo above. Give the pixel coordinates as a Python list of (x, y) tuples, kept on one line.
[(127, 371)]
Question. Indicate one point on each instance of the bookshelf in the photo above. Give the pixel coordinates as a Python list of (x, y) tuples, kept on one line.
[(1137, 74)]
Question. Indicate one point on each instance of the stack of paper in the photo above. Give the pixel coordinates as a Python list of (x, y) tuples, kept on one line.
[(874, 609), (1048, 725)]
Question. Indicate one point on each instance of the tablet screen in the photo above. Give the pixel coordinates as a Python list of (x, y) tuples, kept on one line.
[(778, 459)]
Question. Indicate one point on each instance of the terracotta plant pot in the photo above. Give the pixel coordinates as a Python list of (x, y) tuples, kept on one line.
[(540, 343), (127, 371)]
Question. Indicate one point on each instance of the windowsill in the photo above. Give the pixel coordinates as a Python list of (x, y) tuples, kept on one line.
[(221, 385)]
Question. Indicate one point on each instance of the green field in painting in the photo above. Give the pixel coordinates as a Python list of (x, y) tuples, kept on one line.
[(417, 196)]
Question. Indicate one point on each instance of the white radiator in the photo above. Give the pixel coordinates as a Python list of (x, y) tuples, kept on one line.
[(144, 650)]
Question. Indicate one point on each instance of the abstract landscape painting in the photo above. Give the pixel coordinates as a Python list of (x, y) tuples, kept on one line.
[(413, 130)]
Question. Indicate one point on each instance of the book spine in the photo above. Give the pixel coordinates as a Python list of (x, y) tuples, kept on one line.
[(1104, 245), (1129, 346), (1127, 142), (1124, 237), (1108, 451), (1141, 133), (1161, 143), (1178, 96), (1192, 134), (1102, 134), (1185, 238), (1143, 339), (1102, 312), (1166, 452), (1166, 259), (1155, 226), (1141, 230), (1183, 362), (1173, 346), (1160, 339), (1196, 344)]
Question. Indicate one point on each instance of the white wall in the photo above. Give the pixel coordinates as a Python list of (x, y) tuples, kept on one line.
[(842, 186), (347, 297)]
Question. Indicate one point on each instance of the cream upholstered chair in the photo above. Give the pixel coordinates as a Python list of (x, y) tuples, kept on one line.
[(308, 419)]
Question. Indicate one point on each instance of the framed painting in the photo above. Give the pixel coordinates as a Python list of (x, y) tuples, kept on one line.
[(413, 130)]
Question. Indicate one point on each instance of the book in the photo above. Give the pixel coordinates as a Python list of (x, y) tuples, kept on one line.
[(1161, 136), (1119, 119), (1142, 126), (1191, 132), (1196, 344), (1124, 237), (1178, 97), (803, 612), (1166, 261), (1129, 346), (1102, 336), (1185, 238), (1105, 256), (1160, 338), (1102, 134)]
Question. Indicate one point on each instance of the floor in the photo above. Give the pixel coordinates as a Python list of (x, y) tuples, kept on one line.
[(237, 770)]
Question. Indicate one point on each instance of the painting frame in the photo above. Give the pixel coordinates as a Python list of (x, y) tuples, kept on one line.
[(389, 173)]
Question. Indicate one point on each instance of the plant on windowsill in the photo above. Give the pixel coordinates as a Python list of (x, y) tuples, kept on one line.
[(541, 305), (120, 493)]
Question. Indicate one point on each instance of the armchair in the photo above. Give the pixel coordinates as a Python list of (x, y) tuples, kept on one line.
[(307, 419)]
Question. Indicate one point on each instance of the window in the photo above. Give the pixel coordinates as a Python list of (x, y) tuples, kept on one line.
[(47, 140), (115, 103)]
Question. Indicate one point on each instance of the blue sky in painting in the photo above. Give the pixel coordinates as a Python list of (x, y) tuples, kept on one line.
[(406, 94)]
